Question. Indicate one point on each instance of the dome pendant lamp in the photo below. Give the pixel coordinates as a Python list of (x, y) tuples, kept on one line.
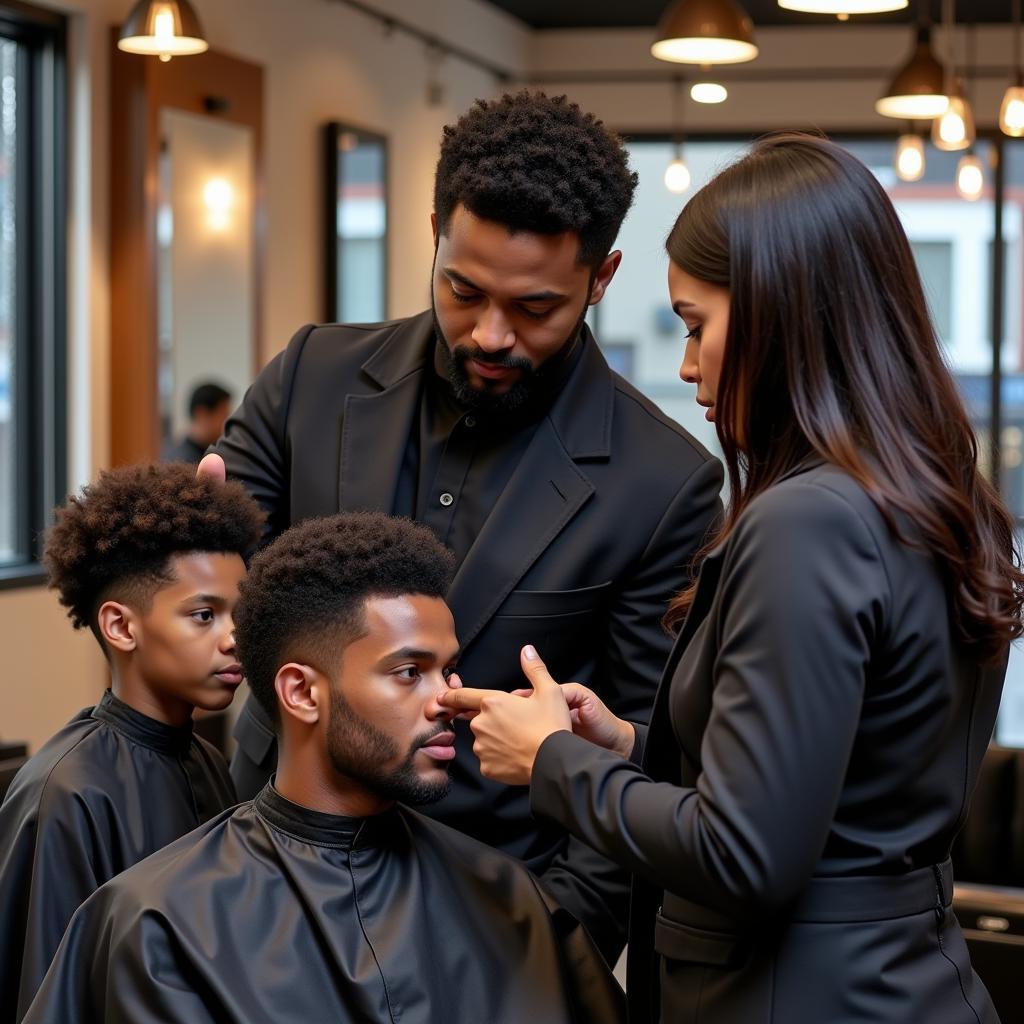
[(705, 32), (918, 91), (843, 8), (163, 28)]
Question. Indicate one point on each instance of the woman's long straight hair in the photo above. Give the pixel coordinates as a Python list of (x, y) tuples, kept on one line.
[(831, 351)]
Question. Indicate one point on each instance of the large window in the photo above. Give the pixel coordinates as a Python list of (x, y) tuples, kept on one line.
[(954, 243), (32, 289)]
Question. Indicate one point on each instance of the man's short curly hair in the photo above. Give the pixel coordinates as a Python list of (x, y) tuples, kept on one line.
[(536, 163), (305, 595), (115, 540)]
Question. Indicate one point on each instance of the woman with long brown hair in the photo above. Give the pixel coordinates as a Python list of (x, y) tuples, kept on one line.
[(789, 812)]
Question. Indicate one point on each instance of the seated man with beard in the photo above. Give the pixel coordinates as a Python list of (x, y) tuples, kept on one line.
[(326, 898)]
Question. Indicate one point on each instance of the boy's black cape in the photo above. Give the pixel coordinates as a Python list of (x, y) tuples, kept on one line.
[(112, 787)]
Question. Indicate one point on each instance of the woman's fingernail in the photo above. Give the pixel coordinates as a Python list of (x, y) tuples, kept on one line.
[(530, 652)]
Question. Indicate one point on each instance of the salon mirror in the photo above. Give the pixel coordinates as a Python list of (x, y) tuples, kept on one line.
[(356, 221)]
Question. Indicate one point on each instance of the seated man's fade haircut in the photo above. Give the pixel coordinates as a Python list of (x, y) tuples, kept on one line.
[(536, 163), (305, 596), (115, 541)]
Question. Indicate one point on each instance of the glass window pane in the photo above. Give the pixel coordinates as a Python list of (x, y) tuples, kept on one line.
[(8, 298)]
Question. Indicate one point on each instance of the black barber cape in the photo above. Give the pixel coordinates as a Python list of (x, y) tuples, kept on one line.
[(112, 787), (275, 913)]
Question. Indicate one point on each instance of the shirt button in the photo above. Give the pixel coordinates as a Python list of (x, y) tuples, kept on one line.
[(446, 499), (470, 421)]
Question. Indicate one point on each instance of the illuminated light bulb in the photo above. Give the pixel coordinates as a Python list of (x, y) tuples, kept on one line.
[(842, 9), (677, 176), (970, 177), (708, 92), (954, 128), (218, 195), (1011, 113), (910, 158), (705, 32)]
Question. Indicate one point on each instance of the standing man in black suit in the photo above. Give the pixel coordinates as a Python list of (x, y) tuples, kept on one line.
[(574, 507)]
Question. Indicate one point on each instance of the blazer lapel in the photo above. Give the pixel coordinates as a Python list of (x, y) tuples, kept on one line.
[(546, 488), (374, 435), (660, 725), (375, 427)]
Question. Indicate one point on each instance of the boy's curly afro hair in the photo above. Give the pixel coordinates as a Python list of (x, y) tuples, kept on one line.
[(304, 597), (117, 538), (536, 163)]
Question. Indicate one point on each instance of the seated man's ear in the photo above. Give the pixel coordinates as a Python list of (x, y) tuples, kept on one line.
[(301, 692)]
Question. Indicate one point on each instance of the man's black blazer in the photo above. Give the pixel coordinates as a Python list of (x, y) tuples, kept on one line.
[(594, 533)]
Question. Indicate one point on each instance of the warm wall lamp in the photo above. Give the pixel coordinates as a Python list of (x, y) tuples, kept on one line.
[(918, 91), (705, 32), (164, 28)]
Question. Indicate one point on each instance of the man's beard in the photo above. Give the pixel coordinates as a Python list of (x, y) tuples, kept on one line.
[(359, 750), (531, 388)]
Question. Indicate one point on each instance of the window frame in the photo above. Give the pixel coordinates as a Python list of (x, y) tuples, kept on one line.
[(39, 381)]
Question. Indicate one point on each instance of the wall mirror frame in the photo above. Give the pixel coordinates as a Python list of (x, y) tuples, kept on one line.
[(356, 222), (212, 86)]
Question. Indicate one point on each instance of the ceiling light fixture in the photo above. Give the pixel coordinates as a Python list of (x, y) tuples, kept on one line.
[(843, 8), (708, 92), (953, 129), (970, 177), (910, 161), (705, 32), (917, 92), (1011, 112), (677, 174), (163, 28)]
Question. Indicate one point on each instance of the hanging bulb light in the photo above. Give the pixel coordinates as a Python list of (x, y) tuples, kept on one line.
[(917, 91), (970, 177), (953, 129), (842, 9), (677, 174), (910, 161), (708, 92), (705, 32), (164, 28), (1011, 111)]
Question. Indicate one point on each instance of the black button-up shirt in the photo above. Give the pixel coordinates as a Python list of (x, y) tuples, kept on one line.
[(457, 461)]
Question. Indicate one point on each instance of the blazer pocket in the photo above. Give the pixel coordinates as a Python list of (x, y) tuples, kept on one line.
[(677, 941), (534, 604)]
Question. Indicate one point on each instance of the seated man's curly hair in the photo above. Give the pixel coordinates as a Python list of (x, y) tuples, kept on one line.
[(305, 594), (536, 163), (116, 540)]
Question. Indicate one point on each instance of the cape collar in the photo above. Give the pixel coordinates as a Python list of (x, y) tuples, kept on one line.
[(316, 827), (146, 731)]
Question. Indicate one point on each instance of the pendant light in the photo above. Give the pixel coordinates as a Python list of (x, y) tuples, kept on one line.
[(842, 9), (1011, 112), (917, 92), (970, 176), (677, 174), (953, 129), (164, 28), (910, 161), (705, 32)]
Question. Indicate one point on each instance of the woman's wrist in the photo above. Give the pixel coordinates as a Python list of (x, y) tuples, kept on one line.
[(627, 738)]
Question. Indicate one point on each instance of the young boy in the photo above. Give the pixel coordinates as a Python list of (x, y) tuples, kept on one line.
[(150, 559), (326, 899)]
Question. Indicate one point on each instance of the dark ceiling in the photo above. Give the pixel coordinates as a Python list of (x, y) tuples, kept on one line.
[(640, 13)]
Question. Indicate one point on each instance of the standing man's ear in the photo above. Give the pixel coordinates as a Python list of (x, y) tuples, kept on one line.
[(603, 276), (301, 692)]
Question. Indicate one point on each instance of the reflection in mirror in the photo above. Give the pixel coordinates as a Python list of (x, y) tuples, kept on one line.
[(205, 261), (356, 222)]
